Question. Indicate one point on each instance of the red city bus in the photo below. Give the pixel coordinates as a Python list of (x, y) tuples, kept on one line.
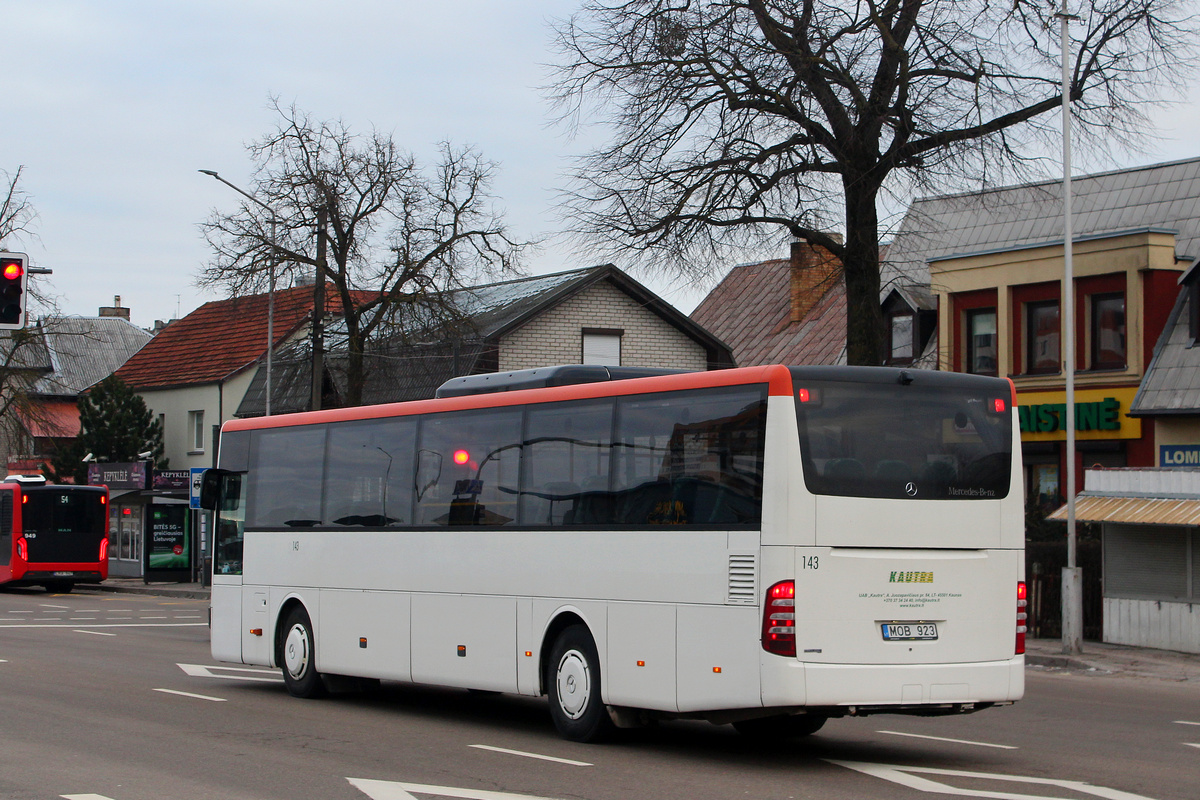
[(52, 535)]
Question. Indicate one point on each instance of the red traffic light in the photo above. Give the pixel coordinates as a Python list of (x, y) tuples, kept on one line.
[(13, 274)]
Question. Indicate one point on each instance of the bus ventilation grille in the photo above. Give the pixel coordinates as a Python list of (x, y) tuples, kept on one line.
[(742, 579)]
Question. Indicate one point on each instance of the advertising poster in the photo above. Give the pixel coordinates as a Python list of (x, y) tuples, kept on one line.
[(168, 551)]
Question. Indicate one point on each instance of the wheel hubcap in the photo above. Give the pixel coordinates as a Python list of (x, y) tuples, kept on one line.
[(574, 684), (295, 652)]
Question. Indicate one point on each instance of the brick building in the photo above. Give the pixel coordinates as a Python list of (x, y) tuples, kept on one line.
[(596, 315)]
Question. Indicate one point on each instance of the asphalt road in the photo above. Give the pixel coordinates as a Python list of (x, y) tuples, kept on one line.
[(116, 696)]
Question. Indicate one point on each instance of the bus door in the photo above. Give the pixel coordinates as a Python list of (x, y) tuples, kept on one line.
[(7, 494), (225, 497)]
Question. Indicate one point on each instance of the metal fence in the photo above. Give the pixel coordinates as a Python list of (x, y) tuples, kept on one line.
[(1044, 562)]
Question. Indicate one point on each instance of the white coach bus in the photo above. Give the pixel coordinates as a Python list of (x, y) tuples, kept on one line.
[(766, 546)]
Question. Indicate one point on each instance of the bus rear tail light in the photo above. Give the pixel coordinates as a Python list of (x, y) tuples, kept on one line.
[(779, 620), (1022, 616), (104, 549), (22, 549)]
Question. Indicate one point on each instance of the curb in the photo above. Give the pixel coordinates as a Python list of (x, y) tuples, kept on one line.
[(155, 589), (1058, 662)]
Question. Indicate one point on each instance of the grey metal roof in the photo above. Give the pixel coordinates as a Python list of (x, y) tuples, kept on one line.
[(86, 350), (1161, 196), (72, 353), (1171, 384)]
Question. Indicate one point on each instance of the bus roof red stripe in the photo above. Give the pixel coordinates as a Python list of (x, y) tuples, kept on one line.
[(777, 378)]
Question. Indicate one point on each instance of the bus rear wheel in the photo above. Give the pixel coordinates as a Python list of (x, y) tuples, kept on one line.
[(60, 587), (573, 683), (784, 726), (298, 656)]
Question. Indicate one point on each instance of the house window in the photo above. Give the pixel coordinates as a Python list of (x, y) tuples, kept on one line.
[(602, 347), (902, 338), (196, 430), (1042, 337), (1108, 331), (981, 341)]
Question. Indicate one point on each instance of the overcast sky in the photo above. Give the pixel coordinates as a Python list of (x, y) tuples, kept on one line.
[(112, 107)]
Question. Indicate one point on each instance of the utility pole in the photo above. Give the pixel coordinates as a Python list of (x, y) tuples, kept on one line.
[(318, 324), (1072, 577)]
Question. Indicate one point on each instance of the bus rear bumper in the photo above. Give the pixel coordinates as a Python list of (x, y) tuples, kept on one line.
[(40, 576), (909, 688)]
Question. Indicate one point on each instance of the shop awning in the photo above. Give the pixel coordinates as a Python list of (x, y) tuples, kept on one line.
[(1141, 510)]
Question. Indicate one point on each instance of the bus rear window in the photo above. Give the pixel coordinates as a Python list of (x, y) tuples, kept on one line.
[(928, 436), (51, 511)]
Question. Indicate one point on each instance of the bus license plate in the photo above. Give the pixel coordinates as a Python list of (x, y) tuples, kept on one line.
[(908, 631)]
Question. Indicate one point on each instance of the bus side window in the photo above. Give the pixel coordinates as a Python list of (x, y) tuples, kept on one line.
[(690, 458), (564, 473), (469, 467)]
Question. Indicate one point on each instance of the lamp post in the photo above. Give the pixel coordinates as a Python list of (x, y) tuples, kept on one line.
[(271, 280), (1072, 576)]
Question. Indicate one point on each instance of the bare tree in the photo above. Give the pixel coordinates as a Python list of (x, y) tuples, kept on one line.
[(399, 236), (22, 354), (16, 211), (735, 119)]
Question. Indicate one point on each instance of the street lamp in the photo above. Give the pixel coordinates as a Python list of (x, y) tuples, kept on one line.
[(271, 278)]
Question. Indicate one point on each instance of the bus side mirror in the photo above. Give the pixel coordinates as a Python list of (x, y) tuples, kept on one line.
[(210, 488)]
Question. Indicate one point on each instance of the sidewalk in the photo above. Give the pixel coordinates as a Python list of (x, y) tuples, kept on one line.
[(1042, 654), (193, 591), (1099, 658)]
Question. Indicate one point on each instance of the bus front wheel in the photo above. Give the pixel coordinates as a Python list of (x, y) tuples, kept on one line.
[(298, 656), (573, 683)]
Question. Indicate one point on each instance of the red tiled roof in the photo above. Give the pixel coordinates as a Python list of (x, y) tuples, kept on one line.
[(219, 339), (750, 310)]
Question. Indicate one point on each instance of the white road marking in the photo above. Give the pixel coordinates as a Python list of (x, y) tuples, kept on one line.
[(189, 694), (84, 797), (258, 675), (47, 619), (79, 619), (1189, 744), (1185, 722), (955, 741), (905, 777), (47, 605), (96, 633), (530, 755), (117, 625), (391, 790), (162, 617), (20, 612)]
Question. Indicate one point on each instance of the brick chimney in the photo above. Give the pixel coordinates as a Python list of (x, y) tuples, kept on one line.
[(813, 272), (115, 310)]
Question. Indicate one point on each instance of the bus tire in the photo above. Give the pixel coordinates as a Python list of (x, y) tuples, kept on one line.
[(573, 686), (60, 587), (297, 656), (784, 726)]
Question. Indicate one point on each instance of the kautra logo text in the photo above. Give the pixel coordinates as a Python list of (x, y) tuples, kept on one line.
[(911, 577)]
